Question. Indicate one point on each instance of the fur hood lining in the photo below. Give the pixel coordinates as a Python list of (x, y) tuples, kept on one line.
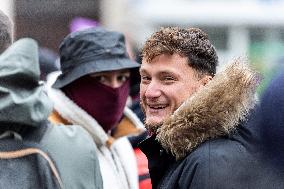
[(213, 111)]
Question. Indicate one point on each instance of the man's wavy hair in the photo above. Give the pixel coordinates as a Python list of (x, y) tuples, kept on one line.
[(192, 43)]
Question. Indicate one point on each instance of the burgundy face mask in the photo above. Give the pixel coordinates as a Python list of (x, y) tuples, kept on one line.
[(104, 103)]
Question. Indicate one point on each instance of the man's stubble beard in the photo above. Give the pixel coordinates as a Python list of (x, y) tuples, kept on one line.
[(151, 127)]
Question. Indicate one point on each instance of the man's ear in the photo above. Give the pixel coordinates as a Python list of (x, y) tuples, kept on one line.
[(206, 79)]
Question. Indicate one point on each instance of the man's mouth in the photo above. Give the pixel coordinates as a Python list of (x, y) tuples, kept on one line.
[(157, 106)]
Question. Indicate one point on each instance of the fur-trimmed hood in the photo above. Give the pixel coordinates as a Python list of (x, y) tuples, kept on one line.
[(213, 111)]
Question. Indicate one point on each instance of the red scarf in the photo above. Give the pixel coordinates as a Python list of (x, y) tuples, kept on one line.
[(104, 103)]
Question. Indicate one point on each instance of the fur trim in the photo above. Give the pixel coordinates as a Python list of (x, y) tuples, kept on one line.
[(213, 111)]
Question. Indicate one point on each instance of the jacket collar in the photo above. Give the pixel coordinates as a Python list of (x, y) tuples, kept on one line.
[(158, 159), (212, 112)]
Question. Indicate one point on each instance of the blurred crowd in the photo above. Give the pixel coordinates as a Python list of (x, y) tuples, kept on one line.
[(95, 115)]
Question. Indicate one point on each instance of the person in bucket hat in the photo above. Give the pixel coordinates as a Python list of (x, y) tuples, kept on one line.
[(91, 91)]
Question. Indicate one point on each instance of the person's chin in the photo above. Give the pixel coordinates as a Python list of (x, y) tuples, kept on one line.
[(152, 125)]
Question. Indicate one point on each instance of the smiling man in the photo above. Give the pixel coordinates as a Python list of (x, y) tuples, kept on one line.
[(163, 84), (167, 75), (191, 112)]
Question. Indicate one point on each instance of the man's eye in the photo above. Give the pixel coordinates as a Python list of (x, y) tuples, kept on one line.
[(145, 78), (168, 78)]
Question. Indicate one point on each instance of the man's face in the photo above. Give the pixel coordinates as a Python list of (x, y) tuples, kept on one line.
[(166, 82)]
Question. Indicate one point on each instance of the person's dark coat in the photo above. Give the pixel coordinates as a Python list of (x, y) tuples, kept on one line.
[(204, 145), (269, 124)]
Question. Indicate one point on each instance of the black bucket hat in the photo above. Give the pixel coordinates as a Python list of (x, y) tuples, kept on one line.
[(91, 51)]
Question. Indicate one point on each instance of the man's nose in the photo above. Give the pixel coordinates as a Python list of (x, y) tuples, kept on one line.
[(153, 90)]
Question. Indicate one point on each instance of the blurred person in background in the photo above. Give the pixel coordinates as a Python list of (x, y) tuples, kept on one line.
[(6, 31), (267, 126), (271, 120), (92, 91), (194, 116), (24, 110), (81, 23)]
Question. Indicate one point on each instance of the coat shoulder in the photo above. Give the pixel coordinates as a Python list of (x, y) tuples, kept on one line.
[(72, 148), (220, 163)]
